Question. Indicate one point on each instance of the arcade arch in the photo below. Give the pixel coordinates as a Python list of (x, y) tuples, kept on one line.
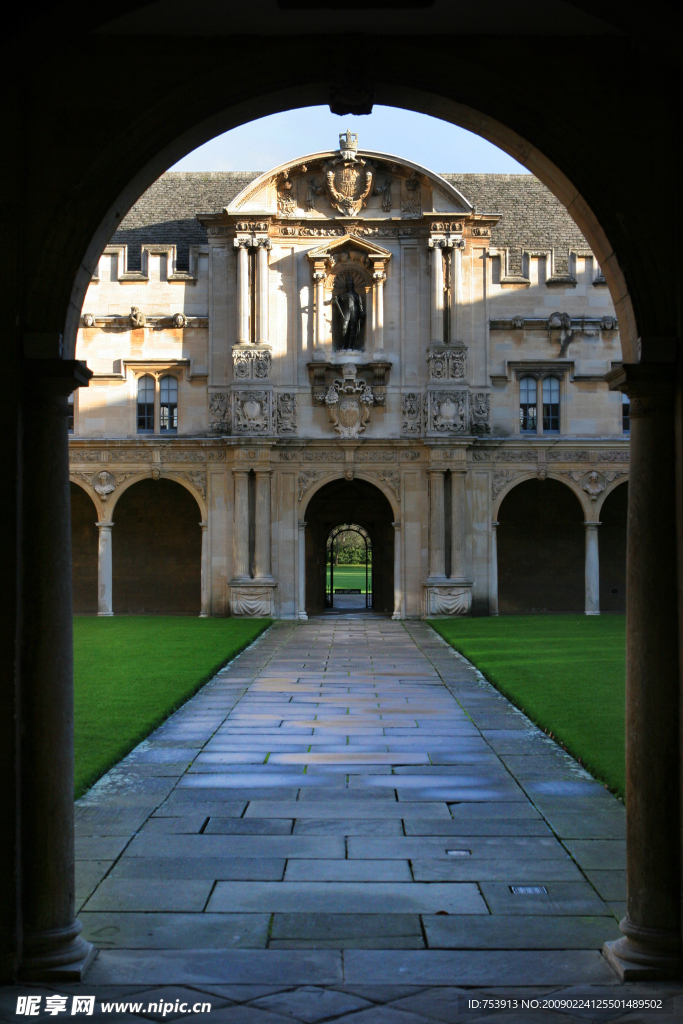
[(88, 181), (349, 501), (540, 537), (84, 517), (613, 515)]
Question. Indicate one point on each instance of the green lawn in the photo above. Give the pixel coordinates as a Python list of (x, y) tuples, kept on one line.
[(566, 672), (131, 672), (350, 577)]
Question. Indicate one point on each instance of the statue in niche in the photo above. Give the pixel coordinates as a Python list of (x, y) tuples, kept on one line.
[(351, 316)]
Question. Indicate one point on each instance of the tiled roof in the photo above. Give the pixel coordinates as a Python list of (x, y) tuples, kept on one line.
[(531, 216)]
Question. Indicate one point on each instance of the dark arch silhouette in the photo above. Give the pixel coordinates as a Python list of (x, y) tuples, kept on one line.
[(156, 550), (612, 541), (540, 549), (84, 542), (350, 501)]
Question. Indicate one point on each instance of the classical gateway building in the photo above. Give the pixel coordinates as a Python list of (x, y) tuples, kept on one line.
[(348, 338)]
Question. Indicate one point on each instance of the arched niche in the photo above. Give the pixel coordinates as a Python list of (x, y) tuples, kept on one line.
[(612, 541), (84, 541), (156, 550), (541, 539)]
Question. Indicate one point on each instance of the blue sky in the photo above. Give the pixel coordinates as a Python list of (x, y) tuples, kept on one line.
[(270, 141)]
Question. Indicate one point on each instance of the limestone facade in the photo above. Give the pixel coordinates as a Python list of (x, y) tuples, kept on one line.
[(348, 316)]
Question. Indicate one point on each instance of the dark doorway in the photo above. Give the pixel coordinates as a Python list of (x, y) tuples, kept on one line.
[(348, 582), (156, 550), (612, 541), (83, 551), (343, 502), (541, 550)]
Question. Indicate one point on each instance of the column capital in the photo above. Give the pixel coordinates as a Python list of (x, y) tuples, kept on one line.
[(397, 524), (239, 471), (260, 471), (588, 523), (105, 524), (204, 524), (650, 386), (494, 524)]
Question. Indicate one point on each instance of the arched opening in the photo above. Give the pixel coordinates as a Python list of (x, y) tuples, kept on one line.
[(83, 551), (612, 539), (540, 549), (348, 574), (156, 550), (336, 505)]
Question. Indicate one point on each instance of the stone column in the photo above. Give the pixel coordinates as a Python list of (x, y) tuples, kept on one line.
[(52, 946), (206, 575), (241, 535), (437, 530), (104, 574), (319, 278), (592, 569), (398, 587), (243, 303), (437, 293), (262, 293), (378, 307), (458, 521), (493, 570), (262, 525), (302, 570), (650, 946)]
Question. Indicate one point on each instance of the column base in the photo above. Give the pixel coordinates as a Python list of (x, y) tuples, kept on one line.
[(632, 962), (105, 615), (591, 613), (204, 615), (396, 617), (57, 955), (303, 616), (253, 598), (446, 598)]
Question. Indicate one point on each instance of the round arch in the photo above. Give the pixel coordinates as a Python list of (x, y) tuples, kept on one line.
[(541, 545), (609, 490), (175, 477), (365, 477), (581, 496), (613, 517), (156, 549), (94, 497), (396, 94), (362, 501)]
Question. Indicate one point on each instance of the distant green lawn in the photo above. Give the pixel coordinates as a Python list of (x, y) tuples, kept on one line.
[(351, 577), (566, 672), (131, 672)]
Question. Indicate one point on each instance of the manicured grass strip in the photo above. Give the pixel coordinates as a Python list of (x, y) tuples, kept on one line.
[(131, 673), (351, 576), (566, 672)]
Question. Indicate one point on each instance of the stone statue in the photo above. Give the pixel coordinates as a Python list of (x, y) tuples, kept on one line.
[(352, 313)]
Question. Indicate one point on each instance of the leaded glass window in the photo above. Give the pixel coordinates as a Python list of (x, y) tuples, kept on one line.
[(168, 405), (146, 404), (551, 405), (527, 405)]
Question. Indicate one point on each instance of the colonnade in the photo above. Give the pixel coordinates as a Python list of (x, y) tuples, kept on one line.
[(258, 568), (456, 526), (262, 246)]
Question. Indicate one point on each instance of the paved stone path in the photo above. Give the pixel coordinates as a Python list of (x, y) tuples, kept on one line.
[(335, 827)]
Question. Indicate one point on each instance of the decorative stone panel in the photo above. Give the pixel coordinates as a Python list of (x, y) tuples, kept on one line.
[(251, 362), (285, 413), (252, 601), (447, 412), (447, 362), (252, 412), (411, 407), (447, 600), (219, 412)]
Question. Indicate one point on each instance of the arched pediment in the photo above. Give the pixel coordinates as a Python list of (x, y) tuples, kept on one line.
[(349, 183)]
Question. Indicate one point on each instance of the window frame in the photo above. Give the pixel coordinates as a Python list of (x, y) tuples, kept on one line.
[(625, 415), (157, 374), (540, 376)]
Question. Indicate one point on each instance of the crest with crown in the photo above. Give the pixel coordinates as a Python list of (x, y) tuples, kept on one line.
[(348, 144)]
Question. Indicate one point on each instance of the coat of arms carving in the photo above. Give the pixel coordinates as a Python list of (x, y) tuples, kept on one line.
[(348, 179)]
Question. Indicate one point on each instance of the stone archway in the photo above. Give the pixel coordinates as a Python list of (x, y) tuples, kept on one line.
[(350, 501), (540, 549), (83, 551), (612, 536), (156, 550)]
